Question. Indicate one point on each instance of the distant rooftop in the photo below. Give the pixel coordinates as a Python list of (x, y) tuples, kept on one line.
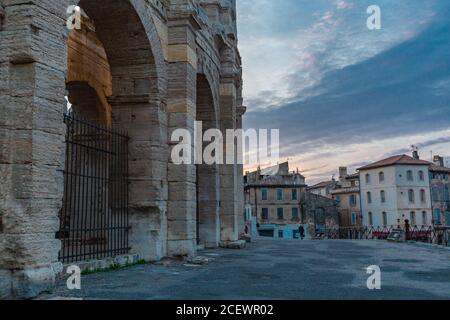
[(322, 184), (277, 175), (396, 160), (435, 168)]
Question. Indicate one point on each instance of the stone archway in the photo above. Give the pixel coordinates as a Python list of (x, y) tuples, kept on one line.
[(135, 99), (33, 131), (208, 178)]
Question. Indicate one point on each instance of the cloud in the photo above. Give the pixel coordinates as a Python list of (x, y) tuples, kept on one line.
[(333, 87)]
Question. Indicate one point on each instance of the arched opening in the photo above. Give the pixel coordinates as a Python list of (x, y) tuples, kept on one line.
[(114, 127), (208, 179)]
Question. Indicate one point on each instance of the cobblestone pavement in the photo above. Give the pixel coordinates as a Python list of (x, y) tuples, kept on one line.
[(282, 269)]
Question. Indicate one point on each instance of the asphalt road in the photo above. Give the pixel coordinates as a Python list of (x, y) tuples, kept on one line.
[(282, 269)]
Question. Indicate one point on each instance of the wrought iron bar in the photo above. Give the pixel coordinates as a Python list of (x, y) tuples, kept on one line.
[(94, 215)]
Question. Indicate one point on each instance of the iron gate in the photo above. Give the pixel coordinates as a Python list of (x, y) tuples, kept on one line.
[(94, 215)]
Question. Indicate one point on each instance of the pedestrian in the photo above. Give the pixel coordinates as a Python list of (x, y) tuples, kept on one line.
[(301, 231)]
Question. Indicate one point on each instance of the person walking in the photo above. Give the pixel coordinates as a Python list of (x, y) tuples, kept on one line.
[(301, 231)]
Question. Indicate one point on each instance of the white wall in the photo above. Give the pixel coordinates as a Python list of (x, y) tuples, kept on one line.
[(396, 188)]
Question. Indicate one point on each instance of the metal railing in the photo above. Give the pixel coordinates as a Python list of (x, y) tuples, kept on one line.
[(434, 235), (94, 216)]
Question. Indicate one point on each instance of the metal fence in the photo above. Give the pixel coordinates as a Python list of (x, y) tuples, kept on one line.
[(94, 216), (435, 235)]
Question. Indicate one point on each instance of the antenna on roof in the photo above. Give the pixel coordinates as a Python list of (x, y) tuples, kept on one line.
[(415, 152)]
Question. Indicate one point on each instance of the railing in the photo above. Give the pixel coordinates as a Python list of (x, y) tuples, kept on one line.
[(94, 217), (434, 235)]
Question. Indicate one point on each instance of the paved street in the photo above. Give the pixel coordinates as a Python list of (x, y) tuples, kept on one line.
[(283, 269)]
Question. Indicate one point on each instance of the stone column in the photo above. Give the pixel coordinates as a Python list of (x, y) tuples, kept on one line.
[(32, 89), (229, 196), (240, 203), (144, 120), (181, 107)]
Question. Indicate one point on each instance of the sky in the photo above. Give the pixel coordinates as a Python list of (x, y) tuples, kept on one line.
[(341, 94)]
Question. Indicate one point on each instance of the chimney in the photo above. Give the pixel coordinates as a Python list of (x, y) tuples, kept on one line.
[(416, 155), (343, 173), (439, 161)]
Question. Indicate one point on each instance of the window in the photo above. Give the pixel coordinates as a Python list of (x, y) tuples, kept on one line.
[(338, 199), (437, 216), (369, 197), (421, 175), (412, 218), (381, 177), (265, 214), (279, 194), (352, 200), (411, 196), (264, 195), (384, 219), (368, 179), (409, 175), (424, 218), (280, 234), (280, 214), (294, 194), (423, 197), (353, 183), (370, 219), (383, 196), (295, 215), (353, 218)]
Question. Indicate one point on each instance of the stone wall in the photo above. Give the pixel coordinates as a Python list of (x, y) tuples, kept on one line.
[(319, 210), (155, 49)]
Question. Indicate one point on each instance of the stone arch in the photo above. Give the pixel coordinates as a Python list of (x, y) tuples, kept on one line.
[(137, 99), (205, 67), (208, 178), (142, 11)]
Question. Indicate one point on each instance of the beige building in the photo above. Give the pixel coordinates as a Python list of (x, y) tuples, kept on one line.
[(440, 192), (347, 195), (278, 204), (101, 182), (324, 188)]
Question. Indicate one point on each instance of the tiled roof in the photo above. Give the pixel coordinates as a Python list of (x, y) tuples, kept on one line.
[(435, 168), (396, 160), (322, 184)]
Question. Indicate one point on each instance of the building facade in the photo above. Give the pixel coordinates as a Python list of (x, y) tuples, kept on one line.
[(136, 69), (395, 191), (440, 192), (279, 204), (324, 188), (347, 195)]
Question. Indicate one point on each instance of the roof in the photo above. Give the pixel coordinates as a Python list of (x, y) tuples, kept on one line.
[(435, 168), (322, 184), (396, 160), (352, 176), (276, 170)]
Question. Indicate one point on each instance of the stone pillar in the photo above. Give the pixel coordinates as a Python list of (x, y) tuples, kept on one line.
[(32, 88), (181, 107), (144, 120), (240, 203), (228, 172)]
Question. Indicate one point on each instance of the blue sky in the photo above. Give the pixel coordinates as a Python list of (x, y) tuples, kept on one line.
[(341, 94)]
